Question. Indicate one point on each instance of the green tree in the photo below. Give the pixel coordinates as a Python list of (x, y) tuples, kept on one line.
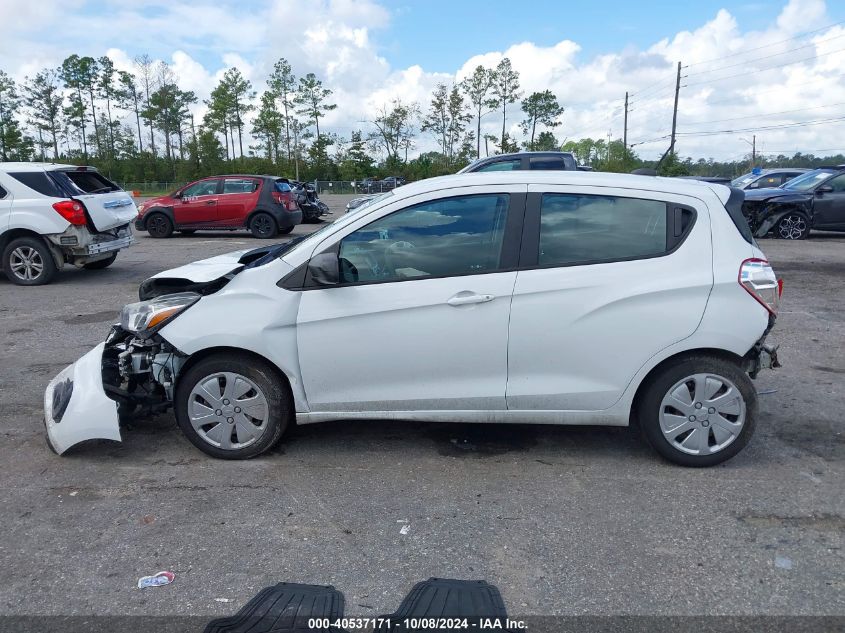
[(71, 73), (541, 108), (477, 89), (282, 82), (268, 126), (43, 98), (13, 144), (128, 98), (239, 94), (546, 142), (395, 128), (312, 100), (145, 70), (447, 119), (506, 91), (355, 162)]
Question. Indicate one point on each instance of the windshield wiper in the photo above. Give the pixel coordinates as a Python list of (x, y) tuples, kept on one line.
[(101, 190)]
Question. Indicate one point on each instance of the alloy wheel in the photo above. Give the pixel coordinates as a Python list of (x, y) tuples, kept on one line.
[(228, 410), (792, 227), (26, 263), (702, 414), (263, 225)]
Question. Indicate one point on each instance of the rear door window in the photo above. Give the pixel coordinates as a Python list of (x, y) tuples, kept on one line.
[(557, 163), (502, 165), (581, 229), (240, 185)]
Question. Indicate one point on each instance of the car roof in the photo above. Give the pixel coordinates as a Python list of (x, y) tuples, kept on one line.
[(585, 178), (10, 166), (772, 170)]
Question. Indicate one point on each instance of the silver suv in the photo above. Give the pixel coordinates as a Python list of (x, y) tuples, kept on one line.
[(52, 215)]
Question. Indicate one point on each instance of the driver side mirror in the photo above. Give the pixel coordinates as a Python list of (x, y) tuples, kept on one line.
[(824, 189), (324, 269)]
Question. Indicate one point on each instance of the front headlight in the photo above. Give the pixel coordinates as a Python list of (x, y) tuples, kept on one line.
[(148, 316)]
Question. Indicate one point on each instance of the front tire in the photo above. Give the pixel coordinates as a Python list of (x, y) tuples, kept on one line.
[(232, 406), (793, 226), (27, 261), (159, 226), (101, 263), (263, 226), (699, 411)]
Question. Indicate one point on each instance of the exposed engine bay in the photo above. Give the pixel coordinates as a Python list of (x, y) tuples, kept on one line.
[(140, 373)]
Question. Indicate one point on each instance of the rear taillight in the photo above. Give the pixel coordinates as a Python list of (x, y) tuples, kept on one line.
[(72, 211), (758, 278), (285, 200)]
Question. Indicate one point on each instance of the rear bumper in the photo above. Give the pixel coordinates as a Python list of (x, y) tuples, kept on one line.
[(78, 243), (76, 407), (110, 245), (286, 219)]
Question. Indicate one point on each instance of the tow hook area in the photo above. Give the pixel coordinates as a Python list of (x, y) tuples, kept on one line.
[(762, 356)]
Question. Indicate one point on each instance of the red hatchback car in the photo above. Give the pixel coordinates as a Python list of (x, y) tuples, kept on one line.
[(263, 204)]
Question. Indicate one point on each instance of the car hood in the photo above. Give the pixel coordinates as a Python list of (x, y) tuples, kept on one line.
[(774, 192), (207, 276)]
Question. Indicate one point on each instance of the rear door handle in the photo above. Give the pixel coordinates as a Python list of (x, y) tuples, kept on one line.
[(467, 298), (211, 201)]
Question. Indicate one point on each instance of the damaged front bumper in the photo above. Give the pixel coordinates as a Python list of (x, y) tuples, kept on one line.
[(76, 407)]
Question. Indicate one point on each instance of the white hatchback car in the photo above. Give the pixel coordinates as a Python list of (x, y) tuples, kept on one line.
[(535, 297), (52, 215)]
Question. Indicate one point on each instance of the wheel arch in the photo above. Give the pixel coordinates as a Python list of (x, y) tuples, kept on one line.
[(223, 350), (13, 234), (165, 211), (258, 210), (676, 358)]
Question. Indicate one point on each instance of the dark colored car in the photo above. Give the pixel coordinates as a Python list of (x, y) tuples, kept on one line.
[(767, 178), (391, 182), (814, 200), (262, 204), (369, 185), (556, 161)]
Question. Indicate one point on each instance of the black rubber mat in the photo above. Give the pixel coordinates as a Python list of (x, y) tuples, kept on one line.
[(435, 605), (285, 608)]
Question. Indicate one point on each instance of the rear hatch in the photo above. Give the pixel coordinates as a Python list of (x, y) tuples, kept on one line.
[(107, 204)]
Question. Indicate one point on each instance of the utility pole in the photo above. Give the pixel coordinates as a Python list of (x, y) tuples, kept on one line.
[(675, 110), (753, 151), (625, 125)]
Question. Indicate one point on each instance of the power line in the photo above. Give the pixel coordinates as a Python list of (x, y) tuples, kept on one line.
[(757, 59), (757, 116), (762, 128), (758, 70), (757, 48), (805, 151)]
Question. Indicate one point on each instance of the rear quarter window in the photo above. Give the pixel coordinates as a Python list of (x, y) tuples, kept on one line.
[(39, 181)]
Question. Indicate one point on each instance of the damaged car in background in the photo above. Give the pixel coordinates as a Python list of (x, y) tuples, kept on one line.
[(813, 200), (424, 306)]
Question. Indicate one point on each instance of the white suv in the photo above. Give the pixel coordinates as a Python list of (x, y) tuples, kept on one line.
[(544, 297), (52, 215)]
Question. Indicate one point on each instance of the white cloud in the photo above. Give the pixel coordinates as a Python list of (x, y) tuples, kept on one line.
[(728, 74)]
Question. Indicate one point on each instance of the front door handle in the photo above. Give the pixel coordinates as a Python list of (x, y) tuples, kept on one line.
[(211, 201), (468, 298)]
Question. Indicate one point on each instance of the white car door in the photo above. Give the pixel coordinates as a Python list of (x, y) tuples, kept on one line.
[(608, 277), (419, 321)]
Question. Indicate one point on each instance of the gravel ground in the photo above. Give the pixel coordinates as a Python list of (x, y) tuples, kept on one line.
[(562, 520)]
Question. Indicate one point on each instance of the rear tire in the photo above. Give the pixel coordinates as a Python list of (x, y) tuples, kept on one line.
[(263, 226), (285, 231), (159, 226), (254, 406), (793, 226), (698, 411), (27, 261), (101, 263)]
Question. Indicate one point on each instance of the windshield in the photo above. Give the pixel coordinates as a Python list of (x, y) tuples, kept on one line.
[(808, 181), (744, 179), (316, 237)]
